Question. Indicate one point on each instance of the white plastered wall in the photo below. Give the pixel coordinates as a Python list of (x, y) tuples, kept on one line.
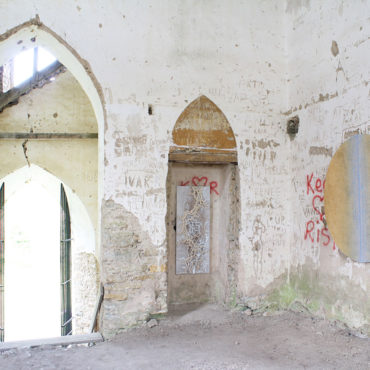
[(166, 54), (328, 88)]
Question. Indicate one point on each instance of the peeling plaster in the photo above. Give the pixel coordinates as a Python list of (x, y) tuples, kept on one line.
[(334, 48), (316, 150), (202, 59)]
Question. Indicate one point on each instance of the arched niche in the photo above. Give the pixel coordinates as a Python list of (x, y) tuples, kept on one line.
[(202, 133), (204, 155)]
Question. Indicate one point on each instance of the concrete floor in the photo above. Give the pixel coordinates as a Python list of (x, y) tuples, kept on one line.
[(209, 337)]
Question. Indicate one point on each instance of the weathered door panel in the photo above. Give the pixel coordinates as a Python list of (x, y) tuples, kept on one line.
[(193, 230)]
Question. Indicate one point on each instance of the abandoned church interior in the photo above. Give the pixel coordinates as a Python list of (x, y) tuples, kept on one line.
[(157, 155)]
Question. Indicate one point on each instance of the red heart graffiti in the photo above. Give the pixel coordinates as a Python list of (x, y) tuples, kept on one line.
[(314, 206), (196, 181)]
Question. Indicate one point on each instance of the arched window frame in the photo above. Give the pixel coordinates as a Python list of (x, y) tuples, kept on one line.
[(65, 264)]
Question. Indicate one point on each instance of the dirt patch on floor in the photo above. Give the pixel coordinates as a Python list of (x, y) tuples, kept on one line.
[(209, 337)]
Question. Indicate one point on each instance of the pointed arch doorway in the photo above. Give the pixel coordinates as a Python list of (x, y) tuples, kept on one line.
[(31, 264), (203, 264), (45, 229)]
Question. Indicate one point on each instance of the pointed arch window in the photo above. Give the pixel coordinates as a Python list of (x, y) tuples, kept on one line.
[(29, 69), (24, 66)]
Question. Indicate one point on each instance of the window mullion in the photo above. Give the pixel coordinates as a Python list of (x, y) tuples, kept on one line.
[(65, 265)]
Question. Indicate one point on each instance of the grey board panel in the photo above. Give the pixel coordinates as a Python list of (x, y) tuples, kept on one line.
[(192, 230)]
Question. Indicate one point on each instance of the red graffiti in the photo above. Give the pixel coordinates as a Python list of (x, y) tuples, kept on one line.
[(196, 181), (317, 210), (202, 181), (308, 183), (316, 230), (319, 185), (309, 229), (213, 185), (323, 232), (327, 236)]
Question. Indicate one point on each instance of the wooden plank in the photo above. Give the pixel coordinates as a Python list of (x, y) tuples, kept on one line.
[(203, 157), (44, 135), (57, 341), (97, 308)]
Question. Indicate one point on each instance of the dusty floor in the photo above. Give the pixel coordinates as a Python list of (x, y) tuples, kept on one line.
[(208, 337)]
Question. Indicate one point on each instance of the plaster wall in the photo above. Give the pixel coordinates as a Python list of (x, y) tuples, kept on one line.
[(168, 53), (328, 89)]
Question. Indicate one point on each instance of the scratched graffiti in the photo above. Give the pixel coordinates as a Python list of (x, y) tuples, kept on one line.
[(355, 130), (201, 181), (260, 150), (124, 145), (316, 229), (252, 93), (257, 245)]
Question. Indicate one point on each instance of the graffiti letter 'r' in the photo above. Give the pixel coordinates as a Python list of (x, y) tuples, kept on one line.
[(309, 230)]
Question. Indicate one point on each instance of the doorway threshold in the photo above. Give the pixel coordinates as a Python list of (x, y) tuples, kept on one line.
[(55, 341)]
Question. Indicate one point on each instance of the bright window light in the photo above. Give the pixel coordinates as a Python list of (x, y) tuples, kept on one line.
[(23, 66), (32, 270), (44, 59)]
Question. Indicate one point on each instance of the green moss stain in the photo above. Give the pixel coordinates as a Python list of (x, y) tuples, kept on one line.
[(283, 297), (309, 292)]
